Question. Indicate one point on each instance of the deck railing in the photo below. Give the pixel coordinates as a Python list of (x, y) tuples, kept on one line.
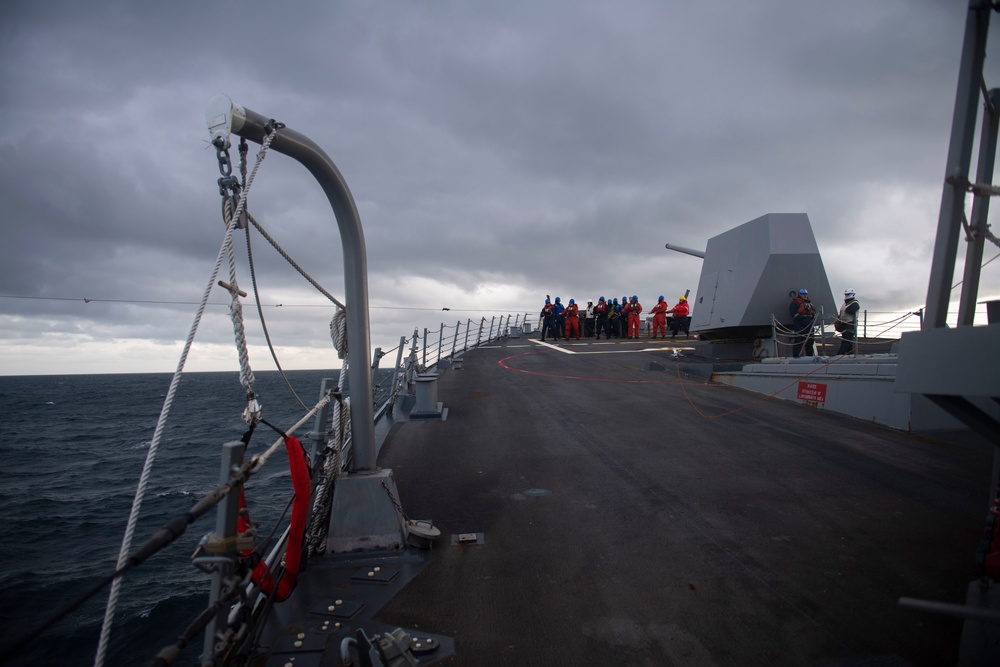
[(427, 349)]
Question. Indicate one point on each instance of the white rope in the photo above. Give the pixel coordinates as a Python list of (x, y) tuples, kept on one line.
[(319, 522), (239, 330), (257, 462), (984, 189), (292, 262), (109, 612)]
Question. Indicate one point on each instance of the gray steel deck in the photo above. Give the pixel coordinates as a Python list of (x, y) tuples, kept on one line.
[(626, 523)]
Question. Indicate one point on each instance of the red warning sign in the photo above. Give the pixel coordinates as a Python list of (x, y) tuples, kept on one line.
[(812, 391)]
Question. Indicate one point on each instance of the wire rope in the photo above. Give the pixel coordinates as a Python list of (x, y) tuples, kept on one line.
[(140, 492)]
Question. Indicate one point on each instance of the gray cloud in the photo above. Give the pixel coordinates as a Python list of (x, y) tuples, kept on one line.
[(496, 152)]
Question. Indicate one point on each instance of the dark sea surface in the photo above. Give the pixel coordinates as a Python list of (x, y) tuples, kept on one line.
[(71, 451)]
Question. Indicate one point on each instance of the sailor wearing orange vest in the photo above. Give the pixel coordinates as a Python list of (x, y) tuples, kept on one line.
[(634, 308), (659, 312), (680, 312), (572, 320)]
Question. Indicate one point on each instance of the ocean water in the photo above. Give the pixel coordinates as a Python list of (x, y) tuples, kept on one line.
[(71, 452)]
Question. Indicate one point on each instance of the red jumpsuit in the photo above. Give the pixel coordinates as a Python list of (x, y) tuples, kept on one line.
[(679, 311), (634, 308), (659, 312), (572, 321)]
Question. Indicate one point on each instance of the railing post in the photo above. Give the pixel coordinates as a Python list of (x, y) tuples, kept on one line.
[(425, 348), (492, 320), (774, 336), (376, 359), (395, 372), (320, 432), (454, 340), (223, 559), (822, 330), (479, 337)]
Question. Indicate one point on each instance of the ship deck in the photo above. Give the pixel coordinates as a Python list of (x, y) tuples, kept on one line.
[(638, 517), (628, 515)]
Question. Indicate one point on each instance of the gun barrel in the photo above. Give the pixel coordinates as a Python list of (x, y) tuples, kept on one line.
[(686, 251)]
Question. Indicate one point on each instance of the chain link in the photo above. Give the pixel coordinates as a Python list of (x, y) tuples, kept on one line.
[(228, 184), (395, 503)]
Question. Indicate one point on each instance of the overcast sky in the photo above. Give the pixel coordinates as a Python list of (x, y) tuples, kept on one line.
[(497, 152)]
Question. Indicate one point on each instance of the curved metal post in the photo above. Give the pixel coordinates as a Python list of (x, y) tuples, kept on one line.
[(224, 116)]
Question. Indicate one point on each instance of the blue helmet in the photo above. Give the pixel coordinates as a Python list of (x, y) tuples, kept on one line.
[(547, 301), (557, 299), (803, 291), (624, 298), (661, 298), (601, 299), (635, 298), (616, 299), (572, 301)]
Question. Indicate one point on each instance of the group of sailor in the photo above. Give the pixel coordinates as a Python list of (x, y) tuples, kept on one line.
[(611, 317), (803, 314)]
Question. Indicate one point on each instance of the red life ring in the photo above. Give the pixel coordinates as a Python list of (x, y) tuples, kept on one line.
[(300, 511)]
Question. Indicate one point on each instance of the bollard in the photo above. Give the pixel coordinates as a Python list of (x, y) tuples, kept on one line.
[(427, 406)]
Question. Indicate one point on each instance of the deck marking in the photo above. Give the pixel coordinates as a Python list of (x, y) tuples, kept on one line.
[(564, 350), (553, 347), (503, 364)]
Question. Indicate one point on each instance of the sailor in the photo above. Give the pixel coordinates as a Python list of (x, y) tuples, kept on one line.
[(560, 319), (634, 310), (572, 320), (614, 316), (659, 312), (847, 323), (623, 317), (603, 318), (803, 314), (680, 318), (588, 320), (548, 316)]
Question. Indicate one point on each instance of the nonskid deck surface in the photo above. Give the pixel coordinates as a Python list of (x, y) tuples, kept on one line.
[(634, 517)]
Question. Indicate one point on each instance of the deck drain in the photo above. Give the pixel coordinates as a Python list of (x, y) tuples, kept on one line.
[(537, 492)]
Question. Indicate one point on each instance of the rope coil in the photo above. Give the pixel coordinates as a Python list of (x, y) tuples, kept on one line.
[(338, 333)]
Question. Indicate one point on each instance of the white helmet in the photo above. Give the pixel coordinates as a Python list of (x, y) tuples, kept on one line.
[(848, 293)]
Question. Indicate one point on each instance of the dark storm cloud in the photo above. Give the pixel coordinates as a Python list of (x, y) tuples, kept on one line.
[(493, 149)]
